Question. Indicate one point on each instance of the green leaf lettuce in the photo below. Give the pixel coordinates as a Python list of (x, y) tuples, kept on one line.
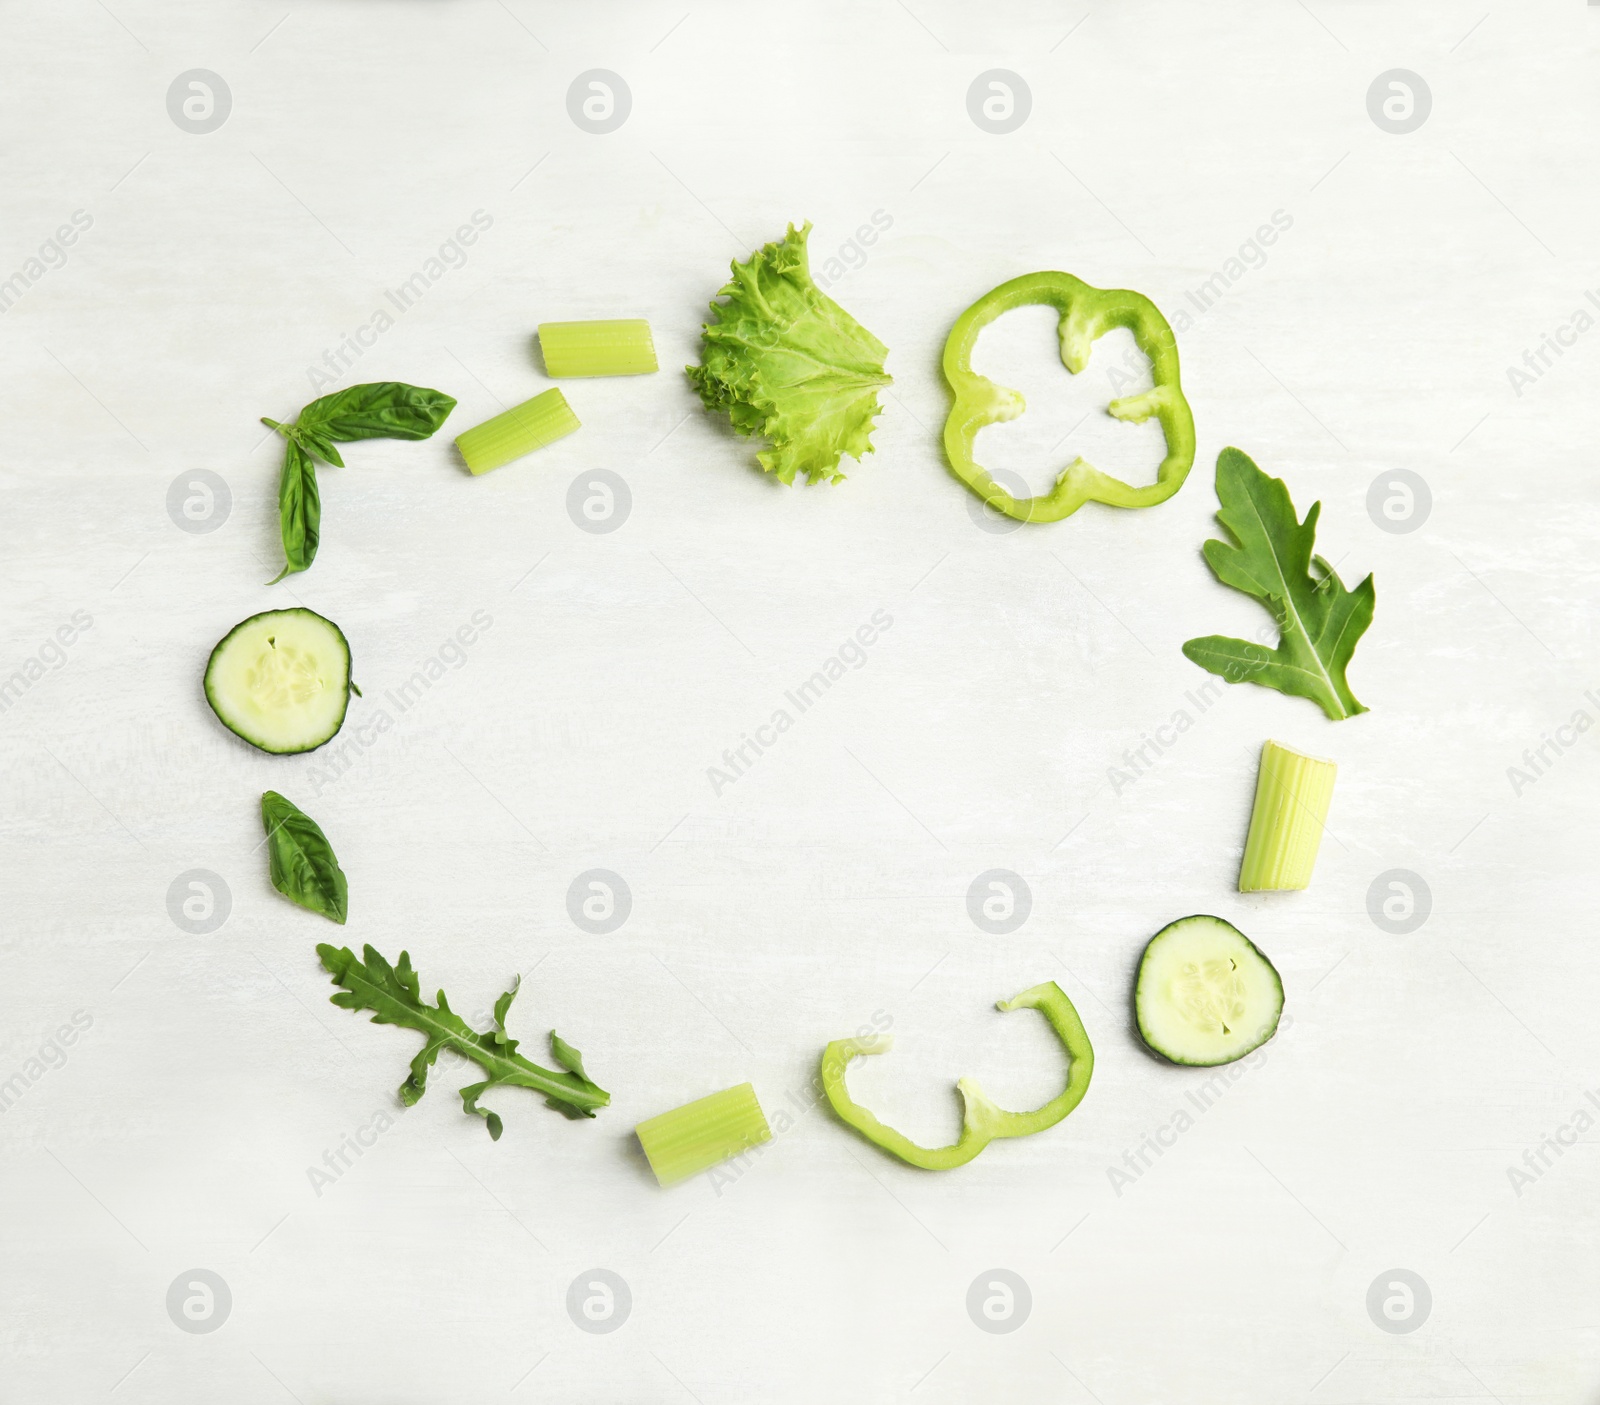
[(785, 361)]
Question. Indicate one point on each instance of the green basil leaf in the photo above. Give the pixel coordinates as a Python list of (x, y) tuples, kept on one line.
[(299, 510), (317, 444), (312, 440), (300, 859), (380, 410)]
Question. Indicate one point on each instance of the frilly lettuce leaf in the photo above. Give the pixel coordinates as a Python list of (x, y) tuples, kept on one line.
[(785, 361)]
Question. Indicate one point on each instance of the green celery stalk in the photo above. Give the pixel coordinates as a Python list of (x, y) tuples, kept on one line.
[(697, 1136), (520, 430), (1293, 793), (621, 348)]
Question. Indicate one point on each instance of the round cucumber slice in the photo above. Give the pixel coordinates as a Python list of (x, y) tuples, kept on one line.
[(281, 680), (1206, 995)]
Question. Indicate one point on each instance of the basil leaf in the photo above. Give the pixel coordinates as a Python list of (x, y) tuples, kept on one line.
[(300, 859), (312, 440), (317, 444), (299, 510), (380, 410)]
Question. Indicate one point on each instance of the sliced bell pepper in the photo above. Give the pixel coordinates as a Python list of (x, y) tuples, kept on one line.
[(982, 1121), (1086, 315)]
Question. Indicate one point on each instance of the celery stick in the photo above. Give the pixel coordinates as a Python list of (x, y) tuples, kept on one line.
[(621, 348), (695, 1137), (519, 431), (1292, 797)]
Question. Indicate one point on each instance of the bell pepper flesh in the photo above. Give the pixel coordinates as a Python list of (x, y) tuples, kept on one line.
[(982, 1120), (1087, 313)]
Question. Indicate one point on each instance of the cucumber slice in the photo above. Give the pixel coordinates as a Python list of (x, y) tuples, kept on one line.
[(1206, 995), (281, 680)]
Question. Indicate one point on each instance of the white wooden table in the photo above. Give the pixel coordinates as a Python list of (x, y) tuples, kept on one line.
[(215, 1121)]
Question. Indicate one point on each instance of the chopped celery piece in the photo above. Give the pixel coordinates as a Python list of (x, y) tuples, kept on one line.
[(519, 431), (1292, 797), (697, 1136), (622, 348)]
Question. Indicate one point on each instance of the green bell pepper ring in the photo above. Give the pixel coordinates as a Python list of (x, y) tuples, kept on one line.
[(1086, 315), (982, 1121)]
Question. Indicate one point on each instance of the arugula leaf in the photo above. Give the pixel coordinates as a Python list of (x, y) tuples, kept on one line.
[(299, 510), (301, 861), (378, 410), (565, 1055), (1269, 556), (785, 361), (391, 993)]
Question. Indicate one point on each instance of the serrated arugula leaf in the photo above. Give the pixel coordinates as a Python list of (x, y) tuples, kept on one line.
[(565, 1055), (392, 994), (378, 410), (785, 361), (1269, 556), (300, 860)]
